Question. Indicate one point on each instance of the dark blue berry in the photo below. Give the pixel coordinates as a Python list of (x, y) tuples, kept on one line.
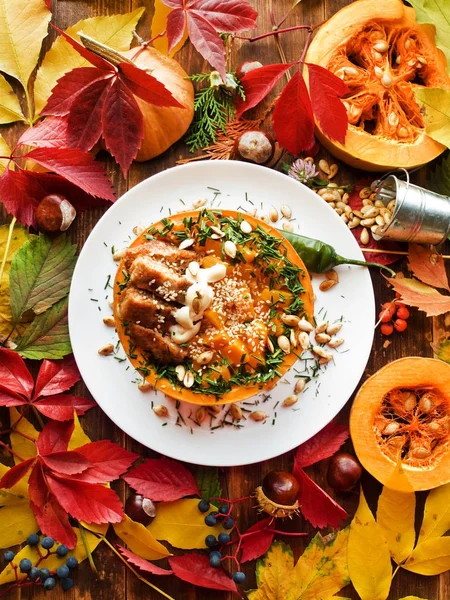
[(44, 574), (214, 558), (210, 541), (224, 538), (66, 584), (47, 543), (33, 574), (203, 506), (62, 571), (72, 562), (62, 550), (210, 520), (8, 555), (229, 523), (33, 539), (239, 577), (49, 583), (25, 565), (223, 509)]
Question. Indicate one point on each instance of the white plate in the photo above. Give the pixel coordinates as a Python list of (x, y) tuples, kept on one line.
[(113, 383)]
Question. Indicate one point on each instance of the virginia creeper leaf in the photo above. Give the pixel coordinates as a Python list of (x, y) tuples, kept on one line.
[(430, 557), (371, 578), (325, 89), (195, 568), (49, 133), (258, 83), (84, 124), (427, 265), (55, 377), (54, 437), (61, 407), (143, 565), (20, 195), (257, 544), (66, 463), (107, 461), (323, 445), (40, 274), (14, 374), (47, 336), (424, 297), (162, 480), (159, 28), (16, 473), (293, 121), (395, 516), (147, 87), (140, 540), (10, 110)]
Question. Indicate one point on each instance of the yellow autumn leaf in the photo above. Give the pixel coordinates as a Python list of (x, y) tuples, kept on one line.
[(19, 237), (274, 573), (17, 520), (159, 23), (78, 438), (181, 524), (322, 569), (100, 528), (412, 598), (22, 446), (140, 540), (115, 31), (23, 26), (10, 110), (436, 517), (53, 561), (16, 493), (395, 516), (435, 106), (371, 578), (430, 557), (5, 150)]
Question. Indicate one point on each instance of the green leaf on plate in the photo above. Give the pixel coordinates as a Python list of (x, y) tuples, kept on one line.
[(435, 106), (208, 482), (47, 336), (40, 274), (436, 12)]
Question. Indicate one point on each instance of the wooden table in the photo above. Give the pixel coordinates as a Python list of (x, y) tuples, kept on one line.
[(114, 581)]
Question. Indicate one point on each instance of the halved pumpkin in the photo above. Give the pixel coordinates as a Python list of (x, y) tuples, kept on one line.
[(381, 53), (401, 417), (229, 349)]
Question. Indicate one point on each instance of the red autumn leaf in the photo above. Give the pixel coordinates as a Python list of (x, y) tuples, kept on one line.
[(49, 133), (89, 502), (162, 480), (204, 19), (258, 543), (325, 89), (14, 374), (141, 563), (293, 121), (107, 461), (122, 125), (258, 83), (84, 125), (16, 473), (422, 296), (195, 568), (20, 195), (66, 463), (323, 445), (54, 437), (383, 258), (77, 167), (427, 265), (149, 89), (315, 504), (53, 377)]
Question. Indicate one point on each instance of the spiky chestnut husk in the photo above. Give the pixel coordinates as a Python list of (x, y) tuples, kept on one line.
[(277, 496)]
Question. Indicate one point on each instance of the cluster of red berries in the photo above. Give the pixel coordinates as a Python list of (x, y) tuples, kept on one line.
[(394, 315)]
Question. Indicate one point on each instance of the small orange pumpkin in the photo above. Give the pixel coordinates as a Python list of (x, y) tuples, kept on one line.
[(401, 417)]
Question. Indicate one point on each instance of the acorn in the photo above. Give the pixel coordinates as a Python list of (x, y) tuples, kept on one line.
[(54, 213), (246, 67), (255, 146), (278, 494), (140, 509)]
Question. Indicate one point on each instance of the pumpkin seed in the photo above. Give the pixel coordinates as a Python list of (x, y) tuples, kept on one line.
[(160, 410), (106, 350), (290, 400), (258, 415)]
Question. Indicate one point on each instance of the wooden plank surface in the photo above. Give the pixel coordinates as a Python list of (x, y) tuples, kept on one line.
[(113, 581)]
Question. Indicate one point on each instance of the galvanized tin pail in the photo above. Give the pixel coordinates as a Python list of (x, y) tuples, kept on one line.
[(418, 216)]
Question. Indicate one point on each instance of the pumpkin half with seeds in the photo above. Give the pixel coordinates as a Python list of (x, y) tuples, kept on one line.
[(401, 417), (382, 54), (208, 305)]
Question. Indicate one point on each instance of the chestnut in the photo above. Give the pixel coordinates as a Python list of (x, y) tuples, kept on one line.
[(140, 509), (255, 146), (246, 67), (54, 213), (278, 494), (344, 472)]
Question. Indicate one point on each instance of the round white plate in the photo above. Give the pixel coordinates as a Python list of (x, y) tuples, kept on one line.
[(112, 380)]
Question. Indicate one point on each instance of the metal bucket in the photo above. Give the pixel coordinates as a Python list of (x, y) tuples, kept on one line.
[(419, 215)]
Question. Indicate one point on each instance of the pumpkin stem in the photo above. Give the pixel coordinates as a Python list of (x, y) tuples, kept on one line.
[(104, 51)]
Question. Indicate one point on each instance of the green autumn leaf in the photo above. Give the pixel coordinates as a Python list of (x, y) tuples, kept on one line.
[(208, 482), (47, 336), (40, 274), (53, 561), (439, 179), (115, 31), (273, 573), (436, 12), (435, 106), (10, 110)]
